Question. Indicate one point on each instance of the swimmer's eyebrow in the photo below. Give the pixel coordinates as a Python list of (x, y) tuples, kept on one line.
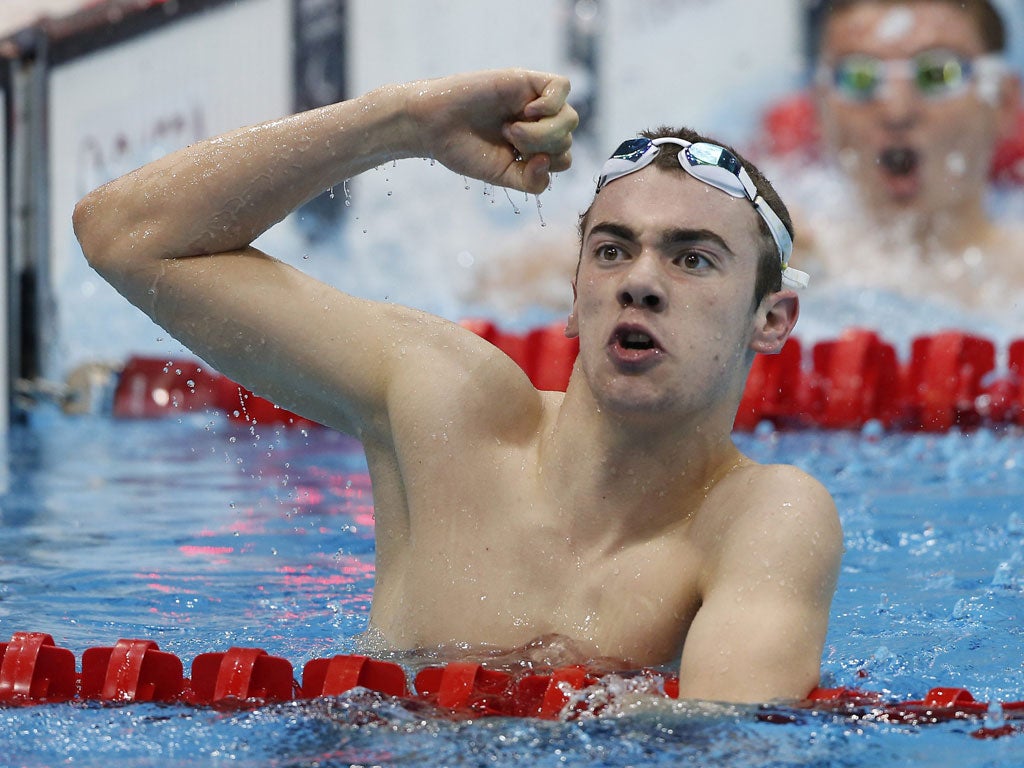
[(669, 238)]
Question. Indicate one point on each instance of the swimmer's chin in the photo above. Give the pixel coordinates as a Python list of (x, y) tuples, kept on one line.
[(543, 652)]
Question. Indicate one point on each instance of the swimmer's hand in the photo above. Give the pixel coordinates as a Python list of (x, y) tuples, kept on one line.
[(507, 127)]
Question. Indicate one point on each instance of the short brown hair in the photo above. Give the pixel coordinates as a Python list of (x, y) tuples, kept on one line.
[(769, 263), (988, 20)]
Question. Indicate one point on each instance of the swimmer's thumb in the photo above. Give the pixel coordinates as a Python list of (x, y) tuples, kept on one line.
[(536, 174)]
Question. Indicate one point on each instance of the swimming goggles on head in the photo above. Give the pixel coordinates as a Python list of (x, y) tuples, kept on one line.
[(716, 166), (936, 74)]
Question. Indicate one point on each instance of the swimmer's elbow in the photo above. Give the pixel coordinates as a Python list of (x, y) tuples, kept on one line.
[(107, 238), (91, 222), (85, 221)]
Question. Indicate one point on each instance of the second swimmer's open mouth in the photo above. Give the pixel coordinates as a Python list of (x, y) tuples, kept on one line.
[(899, 161)]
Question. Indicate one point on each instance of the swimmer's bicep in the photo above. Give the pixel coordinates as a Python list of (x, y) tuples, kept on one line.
[(753, 650), (761, 627)]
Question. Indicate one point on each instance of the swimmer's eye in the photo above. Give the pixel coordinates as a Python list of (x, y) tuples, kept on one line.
[(693, 261), (609, 253)]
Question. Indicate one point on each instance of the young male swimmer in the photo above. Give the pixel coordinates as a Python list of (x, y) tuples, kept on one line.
[(618, 516)]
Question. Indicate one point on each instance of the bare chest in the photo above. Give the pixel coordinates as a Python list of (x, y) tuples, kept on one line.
[(501, 571)]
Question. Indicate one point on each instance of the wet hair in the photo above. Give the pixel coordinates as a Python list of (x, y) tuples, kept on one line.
[(988, 20), (769, 264)]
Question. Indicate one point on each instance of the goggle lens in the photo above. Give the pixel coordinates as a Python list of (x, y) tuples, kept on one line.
[(705, 160), (940, 76), (632, 149), (858, 78), (709, 154), (935, 74)]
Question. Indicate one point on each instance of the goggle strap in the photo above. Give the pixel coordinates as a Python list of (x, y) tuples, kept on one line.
[(989, 71), (795, 279), (783, 240)]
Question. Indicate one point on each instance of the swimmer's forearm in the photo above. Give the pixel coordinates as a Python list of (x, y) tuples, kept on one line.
[(507, 127), (220, 194)]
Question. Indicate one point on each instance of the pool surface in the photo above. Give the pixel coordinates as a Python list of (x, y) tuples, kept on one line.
[(202, 534)]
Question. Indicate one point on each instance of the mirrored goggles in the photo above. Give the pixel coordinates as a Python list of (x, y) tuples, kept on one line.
[(935, 74), (715, 166)]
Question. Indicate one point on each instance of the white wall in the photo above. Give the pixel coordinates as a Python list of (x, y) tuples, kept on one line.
[(710, 64), (115, 109)]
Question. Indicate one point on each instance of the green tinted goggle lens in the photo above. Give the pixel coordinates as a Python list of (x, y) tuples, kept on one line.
[(933, 74), (939, 76), (858, 78)]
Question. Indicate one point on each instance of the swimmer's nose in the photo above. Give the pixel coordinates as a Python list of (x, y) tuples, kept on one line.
[(899, 103), (641, 287), (647, 300)]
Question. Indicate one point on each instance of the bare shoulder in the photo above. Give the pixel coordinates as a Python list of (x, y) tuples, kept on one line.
[(783, 483), (782, 518)]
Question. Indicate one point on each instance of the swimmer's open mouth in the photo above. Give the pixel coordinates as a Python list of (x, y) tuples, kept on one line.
[(634, 339), (899, 161)]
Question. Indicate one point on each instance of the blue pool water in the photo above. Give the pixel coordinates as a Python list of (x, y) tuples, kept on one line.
[(201, 535)]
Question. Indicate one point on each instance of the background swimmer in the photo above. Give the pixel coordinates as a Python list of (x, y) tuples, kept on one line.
[(913, 98)]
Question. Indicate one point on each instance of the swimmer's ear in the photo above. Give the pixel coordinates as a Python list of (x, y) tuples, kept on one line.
[(572, 328), (774, 321)]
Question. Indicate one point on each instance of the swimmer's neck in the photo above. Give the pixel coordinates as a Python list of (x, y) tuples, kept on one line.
[(638, 482), (937, 234)]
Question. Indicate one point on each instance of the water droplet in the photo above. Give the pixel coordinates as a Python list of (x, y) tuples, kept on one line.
[(515, 208), (960, 609), (994, 716)]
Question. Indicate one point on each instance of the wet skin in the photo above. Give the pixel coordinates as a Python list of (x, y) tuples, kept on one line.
[(619, 514)]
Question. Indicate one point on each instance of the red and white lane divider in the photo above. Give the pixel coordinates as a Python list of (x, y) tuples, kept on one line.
[(33, 670)]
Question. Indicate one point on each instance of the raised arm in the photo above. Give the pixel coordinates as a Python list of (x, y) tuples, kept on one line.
[(274, 329)]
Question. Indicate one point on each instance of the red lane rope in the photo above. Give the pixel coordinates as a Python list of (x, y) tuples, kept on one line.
[(33, 670), (950, 381)]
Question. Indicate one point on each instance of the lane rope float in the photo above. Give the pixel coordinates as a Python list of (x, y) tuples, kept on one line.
[(34, 670)]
